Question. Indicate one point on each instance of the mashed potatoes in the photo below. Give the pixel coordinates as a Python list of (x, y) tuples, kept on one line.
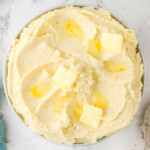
[(74, 75)]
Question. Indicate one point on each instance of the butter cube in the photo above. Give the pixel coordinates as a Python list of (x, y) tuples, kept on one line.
[(91, 116), (111, 43), (41, 90), (64, 77)]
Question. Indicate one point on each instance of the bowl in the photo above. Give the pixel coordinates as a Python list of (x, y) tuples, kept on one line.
[(20, 117)]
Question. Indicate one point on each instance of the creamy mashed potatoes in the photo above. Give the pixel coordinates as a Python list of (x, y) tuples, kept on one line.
[(74, 75)]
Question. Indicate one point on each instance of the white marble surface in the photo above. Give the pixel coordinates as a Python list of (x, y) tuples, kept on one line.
[(14, 14)]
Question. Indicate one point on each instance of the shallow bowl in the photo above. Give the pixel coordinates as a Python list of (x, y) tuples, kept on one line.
[(19, 116)]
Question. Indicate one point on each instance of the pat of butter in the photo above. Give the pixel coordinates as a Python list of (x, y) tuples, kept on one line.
[(64, 77), (91, 116), (111, 43)]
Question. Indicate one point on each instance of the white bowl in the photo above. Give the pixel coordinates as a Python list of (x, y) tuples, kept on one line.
[(20, 117)]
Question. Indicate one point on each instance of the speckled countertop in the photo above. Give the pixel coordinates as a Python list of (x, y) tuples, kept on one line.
[(14, 14)]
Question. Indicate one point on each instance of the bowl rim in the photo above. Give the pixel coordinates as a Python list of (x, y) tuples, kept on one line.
[(5, 73)]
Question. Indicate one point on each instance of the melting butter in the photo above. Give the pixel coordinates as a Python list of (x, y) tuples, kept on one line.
[(100, 100), (78, 108), (114, 67), (94, 47), (74, 30), (39, 91)]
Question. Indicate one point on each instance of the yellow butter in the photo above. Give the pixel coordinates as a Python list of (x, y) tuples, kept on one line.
[(78, 110), (91, 116), (64, 77), (100, 100), (78, 107), (112, 43), (94, 47), (114, 67), (39, 91), (74, 30), (51, 74)]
